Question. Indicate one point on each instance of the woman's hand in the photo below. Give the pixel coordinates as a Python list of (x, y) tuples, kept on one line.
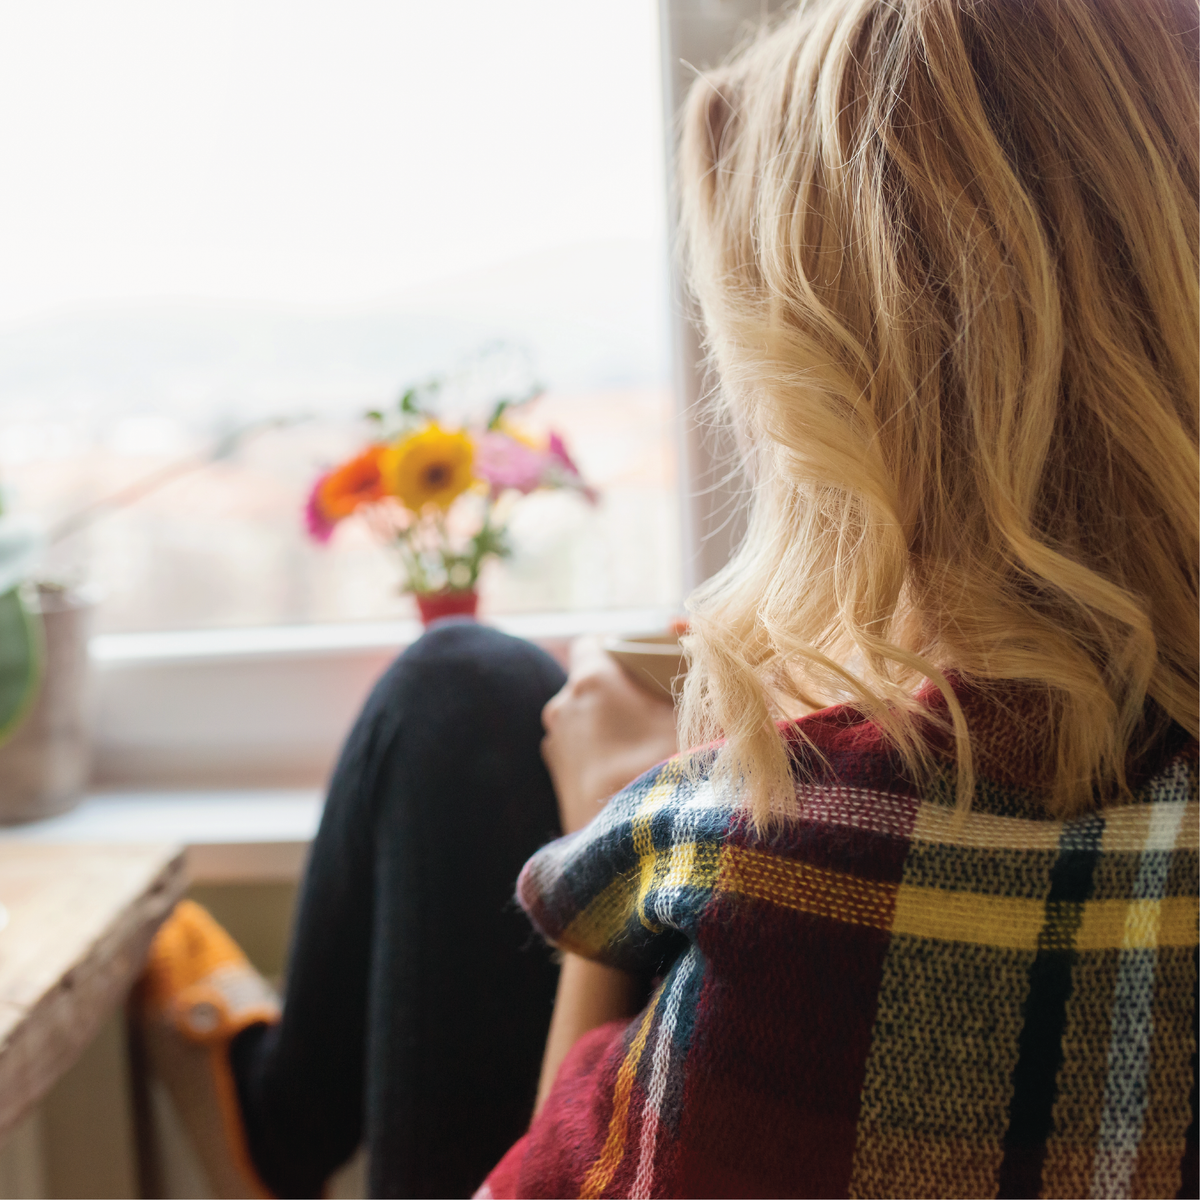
[(602, 732)]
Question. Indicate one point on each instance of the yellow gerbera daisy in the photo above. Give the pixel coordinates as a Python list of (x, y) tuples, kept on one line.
[(432, 466)]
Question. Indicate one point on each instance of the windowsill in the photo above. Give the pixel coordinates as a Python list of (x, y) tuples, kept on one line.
[(222, 740), (268, 707), (235, 836), (550, 629)]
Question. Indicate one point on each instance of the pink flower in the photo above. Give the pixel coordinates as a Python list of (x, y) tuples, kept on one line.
[(558, 453), (558, 449), (320, 527), (504, 463)]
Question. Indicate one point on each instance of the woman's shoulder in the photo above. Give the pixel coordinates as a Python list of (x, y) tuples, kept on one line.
[(841, 747), (680, 834)]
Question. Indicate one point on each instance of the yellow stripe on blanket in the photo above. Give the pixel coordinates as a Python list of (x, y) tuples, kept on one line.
[(603, 1169), (1005, 922), (1138, 924), (688, 864), (806, 888), (660, 795), (1002, 921), (597, 925)]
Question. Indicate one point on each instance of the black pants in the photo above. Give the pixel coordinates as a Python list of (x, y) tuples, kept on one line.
[(417, 998)]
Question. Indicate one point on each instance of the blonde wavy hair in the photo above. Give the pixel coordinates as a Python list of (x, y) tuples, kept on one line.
[(945, 253)]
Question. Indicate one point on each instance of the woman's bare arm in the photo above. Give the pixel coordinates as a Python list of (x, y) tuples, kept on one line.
[(589, 994)]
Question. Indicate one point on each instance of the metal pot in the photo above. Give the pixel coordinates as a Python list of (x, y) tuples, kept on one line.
[(45, 765)]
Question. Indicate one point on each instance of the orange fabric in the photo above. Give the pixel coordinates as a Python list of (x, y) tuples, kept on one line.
[(198, 978), (188, 947), (195, 967)]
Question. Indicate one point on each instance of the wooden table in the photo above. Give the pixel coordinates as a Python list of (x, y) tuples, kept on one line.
[(80, 920)]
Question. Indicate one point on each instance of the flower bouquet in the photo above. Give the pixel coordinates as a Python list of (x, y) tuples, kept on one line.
[(441, 495)]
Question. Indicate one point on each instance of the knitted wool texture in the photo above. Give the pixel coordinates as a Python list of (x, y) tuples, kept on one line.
[(879, 999)]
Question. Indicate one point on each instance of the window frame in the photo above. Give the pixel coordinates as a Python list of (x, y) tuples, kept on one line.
[(270, 706), (696, 35)]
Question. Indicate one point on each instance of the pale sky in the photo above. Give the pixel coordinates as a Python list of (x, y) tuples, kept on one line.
[(316, 153)]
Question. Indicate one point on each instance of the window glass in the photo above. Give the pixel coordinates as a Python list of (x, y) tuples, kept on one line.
[(220, 214)]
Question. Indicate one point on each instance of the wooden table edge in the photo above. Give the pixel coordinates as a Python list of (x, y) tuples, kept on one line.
[(63, 1021)]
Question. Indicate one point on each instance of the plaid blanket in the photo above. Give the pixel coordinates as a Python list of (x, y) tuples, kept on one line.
[(879, 999)]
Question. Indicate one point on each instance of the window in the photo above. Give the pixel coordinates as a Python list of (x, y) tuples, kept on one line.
[(226, 212)]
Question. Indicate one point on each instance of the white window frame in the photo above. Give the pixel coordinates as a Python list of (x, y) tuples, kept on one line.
[(696, 35)]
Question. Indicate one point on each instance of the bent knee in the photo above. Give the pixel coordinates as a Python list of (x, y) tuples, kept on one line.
[(466, 647), (460, 661)]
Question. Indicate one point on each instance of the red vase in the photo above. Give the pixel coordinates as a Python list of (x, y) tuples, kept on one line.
[(448, 603)]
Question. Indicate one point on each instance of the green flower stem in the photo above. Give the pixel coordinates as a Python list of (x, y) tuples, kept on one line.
[(417, 578), (442, 567)]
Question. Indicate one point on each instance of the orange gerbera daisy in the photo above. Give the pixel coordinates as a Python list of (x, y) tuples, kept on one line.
[(351, 485)]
